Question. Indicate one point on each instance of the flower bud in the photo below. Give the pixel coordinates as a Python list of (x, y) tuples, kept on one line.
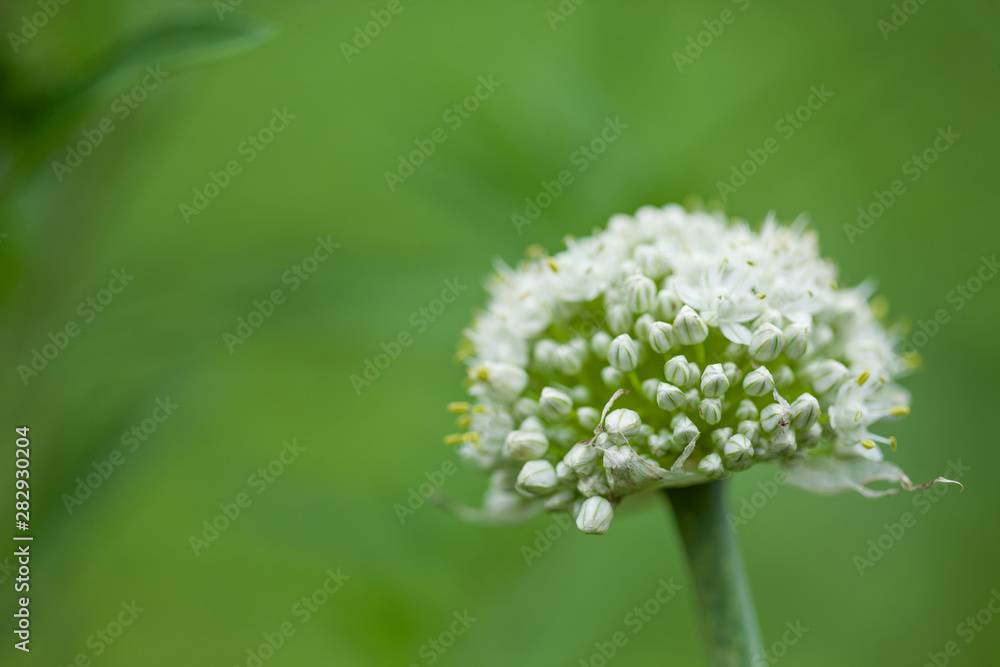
[(809, 436), (593, 485), (669, 397), (532, 423), (599, 343), (554, 404), (537, 478), (649, 388), (580, 394), (566, 360), (588, 417), (783, 376), (798, 339), (767, 343), (564, 435), (504, 382), (692, 396), (826, 375), (758, 382), (710, 410), (653, 261), (581, 458), (751, 429), (689, 328), (771, 417), (805, 411), (720, 436), (678, 371), (661, 337), (661, 443), (525, 407), (627, 471), (642, 325), (544, 353), (595, 515), (669, 303), (738, 449), (733, 373), (684, 430), (746, 410), (612, 376), (711, 466), (622, 424), (714, 382), (525, 445), (640, 293), (619, 319), (782, 443), (564, 473), (560, 502), (623, 353)]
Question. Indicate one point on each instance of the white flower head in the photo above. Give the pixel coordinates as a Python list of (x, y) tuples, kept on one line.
[(586, 375)]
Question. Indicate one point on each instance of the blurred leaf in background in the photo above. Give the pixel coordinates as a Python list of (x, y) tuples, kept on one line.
[(264, 509)]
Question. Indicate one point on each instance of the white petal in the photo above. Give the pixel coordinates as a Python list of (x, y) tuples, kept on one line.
[(828, 475), (736, 332)]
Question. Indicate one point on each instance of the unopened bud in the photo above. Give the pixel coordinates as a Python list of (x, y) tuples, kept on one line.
[(758, 382), (711, 466), (689, 328), (661, 337), (797, 336), (623, 353), (714, 382), (710, 410), (805, 411), (537, 478), (554, 404), (640, 293), (669, 397), (669, 303), (767, 343), (619, 319), (595, 516), (525, 445), (622, 424), (677, 371)]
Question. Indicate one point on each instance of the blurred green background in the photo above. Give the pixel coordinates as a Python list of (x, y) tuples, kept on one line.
[(335, 504)]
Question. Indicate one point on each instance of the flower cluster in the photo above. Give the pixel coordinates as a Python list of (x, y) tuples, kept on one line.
[(670, 349)]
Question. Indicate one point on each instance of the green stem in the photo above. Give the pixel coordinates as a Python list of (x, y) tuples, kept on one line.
[(728, 618)]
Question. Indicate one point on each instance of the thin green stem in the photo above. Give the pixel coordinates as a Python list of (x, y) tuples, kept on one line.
[(728, 618)]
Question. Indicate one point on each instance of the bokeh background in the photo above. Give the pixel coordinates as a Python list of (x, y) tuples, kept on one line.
[(336, 505)]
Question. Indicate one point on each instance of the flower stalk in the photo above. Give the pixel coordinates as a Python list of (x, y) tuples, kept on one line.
[(728, 618)]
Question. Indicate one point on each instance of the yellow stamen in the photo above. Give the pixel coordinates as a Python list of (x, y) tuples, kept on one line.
[(857, 416), (897, 410), (481, 373), (553, 265), (534, 251), (833, 284), (863, 378), (463, 421), (454, 439), (479, 409), (892, 442), (471, 436), (458, 407), (868, 444)]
